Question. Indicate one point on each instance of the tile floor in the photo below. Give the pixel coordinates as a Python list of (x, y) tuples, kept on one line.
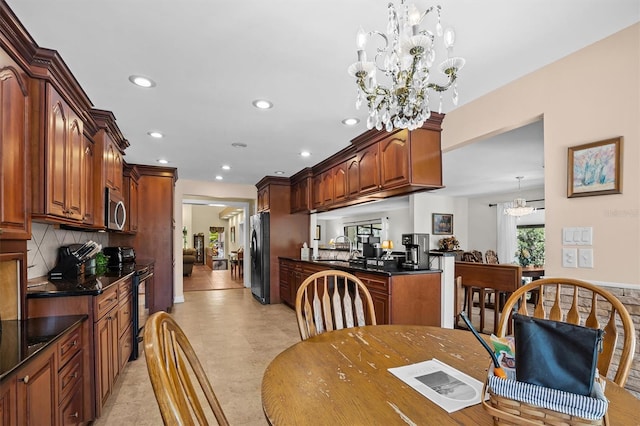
[(235, 338)]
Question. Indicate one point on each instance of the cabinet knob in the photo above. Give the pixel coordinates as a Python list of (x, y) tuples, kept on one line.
[(74, 375), (25, 379), (74, 415), (75, 343)]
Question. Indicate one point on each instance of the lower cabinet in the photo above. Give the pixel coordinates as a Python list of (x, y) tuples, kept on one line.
[(48, 389), (113, 338), (401, 298)]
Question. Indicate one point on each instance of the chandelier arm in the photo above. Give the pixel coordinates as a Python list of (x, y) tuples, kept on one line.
[(451, 72), (426, 12), (380, 50)]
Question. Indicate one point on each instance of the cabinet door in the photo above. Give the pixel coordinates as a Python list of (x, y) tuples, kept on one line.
[(263, 198), (36, 393), (369, 169), (75, 166), (87, 179), (131, 196), (57, 124), (285, 282), (381, 306), (104, 360), (340, 182), (8, 402), (327, 188), (353, 178), (394, 160), (317, 197), (14, 205)]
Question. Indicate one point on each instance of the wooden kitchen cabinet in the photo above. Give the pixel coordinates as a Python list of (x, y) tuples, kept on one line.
[(113, 165), (394, 160), (285, 281), (8, 402), (113, 337), (263, 199), (130, 186), (36, 391), (88, 201), (15, 205), (339, 179), (316, 192), (58, 182), (369, 169), (301, 191), (327, 188), (353, 177), (110, 170)]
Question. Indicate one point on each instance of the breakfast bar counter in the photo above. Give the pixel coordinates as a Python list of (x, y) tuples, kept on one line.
[(399, 296)]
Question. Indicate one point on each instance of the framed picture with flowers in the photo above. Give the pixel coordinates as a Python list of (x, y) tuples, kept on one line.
[(594, 168)]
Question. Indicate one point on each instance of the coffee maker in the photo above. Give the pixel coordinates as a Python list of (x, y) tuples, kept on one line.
[(417, 251)]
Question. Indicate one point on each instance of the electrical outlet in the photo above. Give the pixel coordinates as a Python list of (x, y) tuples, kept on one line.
[(569, 257), (585, 258)]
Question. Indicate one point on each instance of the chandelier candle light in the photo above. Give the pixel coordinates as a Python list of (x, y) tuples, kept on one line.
[(408, 54)]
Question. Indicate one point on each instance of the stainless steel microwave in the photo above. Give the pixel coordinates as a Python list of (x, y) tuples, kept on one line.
[(116, 212)]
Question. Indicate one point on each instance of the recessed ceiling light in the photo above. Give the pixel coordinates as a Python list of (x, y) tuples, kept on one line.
[(351, 121), (305, 154), (141, 81), (262, 104), (279, 172), (226, 167), (163, 161), (239, 145), (217, 205), (218, 177), (155, 134)]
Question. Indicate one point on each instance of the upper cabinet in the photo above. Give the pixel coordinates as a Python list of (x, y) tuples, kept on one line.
[(380, 164), (301, 191), (130, 186), (59, 171), (263, 198), (109, 166), (15, 205)]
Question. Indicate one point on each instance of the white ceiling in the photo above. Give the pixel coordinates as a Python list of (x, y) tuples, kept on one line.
[(211, 59)]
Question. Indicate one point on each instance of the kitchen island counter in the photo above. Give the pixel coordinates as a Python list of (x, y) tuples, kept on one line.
[(399, 296)]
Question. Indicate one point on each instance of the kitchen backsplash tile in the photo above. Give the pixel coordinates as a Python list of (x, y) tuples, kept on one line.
[(45, 241)]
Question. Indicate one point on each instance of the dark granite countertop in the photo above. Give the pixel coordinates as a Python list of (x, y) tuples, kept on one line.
[(45, 288), (21, 340), (349, 267)]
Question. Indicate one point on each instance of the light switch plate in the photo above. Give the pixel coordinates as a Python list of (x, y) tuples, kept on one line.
[(585, 258), (570, 257)]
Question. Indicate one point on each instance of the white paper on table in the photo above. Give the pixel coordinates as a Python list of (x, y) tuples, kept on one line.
[(451, 389)]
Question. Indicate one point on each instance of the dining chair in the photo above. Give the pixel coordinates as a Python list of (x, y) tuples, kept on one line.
[(172, 364), (491, 257), (332, 300), (564, 299)]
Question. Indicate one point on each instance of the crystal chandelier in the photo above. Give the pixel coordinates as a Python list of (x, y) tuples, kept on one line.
[(407, 55), (519, 206)]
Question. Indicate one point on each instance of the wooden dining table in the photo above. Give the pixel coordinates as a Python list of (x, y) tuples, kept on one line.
[(341, 378)]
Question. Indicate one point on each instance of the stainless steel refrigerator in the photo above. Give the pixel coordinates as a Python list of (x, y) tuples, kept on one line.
[(260, 271)]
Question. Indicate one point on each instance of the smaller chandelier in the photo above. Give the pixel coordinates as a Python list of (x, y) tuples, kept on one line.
[(407, 56), (519, 206)]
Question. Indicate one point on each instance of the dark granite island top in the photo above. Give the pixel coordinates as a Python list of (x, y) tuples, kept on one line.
[(21, 340), (348, 266)]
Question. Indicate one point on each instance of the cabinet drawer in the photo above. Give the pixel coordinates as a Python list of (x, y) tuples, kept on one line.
[(70, 376), (105, 301), (125, 347), (375, 282), (124, 288), (70, 346), (71, 409), (124, 314)]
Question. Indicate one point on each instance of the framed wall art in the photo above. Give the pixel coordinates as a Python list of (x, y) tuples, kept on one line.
[(442, 224), (595, 168)]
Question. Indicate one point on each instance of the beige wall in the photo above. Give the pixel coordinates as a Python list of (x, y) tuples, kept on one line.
[(591, 95)]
